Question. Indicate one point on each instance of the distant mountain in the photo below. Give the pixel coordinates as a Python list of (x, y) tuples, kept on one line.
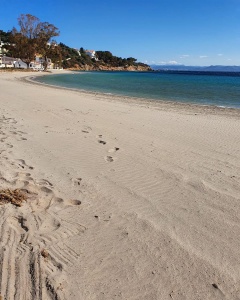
[(222, 68), (217, 68)]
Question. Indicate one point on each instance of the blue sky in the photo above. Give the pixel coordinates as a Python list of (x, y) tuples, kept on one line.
[(190, 32)]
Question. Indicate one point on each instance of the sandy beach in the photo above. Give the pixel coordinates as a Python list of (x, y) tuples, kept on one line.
[(125, 199)]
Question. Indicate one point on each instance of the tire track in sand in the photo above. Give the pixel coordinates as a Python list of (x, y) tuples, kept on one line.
[(33, 254)]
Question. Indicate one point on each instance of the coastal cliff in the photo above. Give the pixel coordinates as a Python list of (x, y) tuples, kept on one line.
[(142, 68)]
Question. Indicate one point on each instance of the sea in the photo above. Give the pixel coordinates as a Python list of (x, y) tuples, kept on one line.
[(202, 88)]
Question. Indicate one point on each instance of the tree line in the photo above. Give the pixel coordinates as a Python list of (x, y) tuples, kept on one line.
[(35, 37)]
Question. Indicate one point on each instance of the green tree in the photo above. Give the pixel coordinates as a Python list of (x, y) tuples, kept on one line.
[(131, 61), (5, 36), (55, 53), (82, 50)]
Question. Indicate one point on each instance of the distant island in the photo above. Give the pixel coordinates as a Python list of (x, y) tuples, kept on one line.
[(183, 68)]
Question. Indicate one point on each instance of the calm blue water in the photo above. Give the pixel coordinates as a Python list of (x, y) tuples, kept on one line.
[(200, 89)]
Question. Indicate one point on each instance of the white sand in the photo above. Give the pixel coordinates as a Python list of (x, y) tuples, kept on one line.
[(129, 200)]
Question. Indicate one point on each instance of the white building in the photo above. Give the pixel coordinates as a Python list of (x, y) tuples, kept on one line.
[(38, 64), (91, 53), (3, 49), (19, 64), (7, 62), (10, 62)]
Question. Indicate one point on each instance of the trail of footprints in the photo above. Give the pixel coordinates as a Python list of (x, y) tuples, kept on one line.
[(107, 158), (33, 253)]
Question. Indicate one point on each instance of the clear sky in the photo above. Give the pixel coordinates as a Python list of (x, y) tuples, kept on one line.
[(190, 32)]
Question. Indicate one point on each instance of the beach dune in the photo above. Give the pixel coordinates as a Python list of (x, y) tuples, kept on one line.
[(125, 199)]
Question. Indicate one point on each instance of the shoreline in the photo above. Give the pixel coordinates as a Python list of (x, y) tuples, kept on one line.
[(157, 104), (125, 200)]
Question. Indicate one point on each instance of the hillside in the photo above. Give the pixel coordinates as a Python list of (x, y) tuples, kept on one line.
[(104, 60), (78, 59)]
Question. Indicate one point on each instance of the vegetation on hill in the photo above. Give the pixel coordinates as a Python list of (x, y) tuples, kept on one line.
[(73, 58), (79, 59), (36, 37), (108, 58), (5, 36)]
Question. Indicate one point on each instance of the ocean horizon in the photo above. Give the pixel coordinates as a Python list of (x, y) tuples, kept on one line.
[(221, 90)]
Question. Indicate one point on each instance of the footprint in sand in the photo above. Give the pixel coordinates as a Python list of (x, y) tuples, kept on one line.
[(87, 129), (109, 158), (21, 163), (44, 182), (100, 141), (115, 149), (76, 181), (74, 202)]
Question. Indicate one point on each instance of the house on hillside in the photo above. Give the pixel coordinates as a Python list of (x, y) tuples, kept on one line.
[(91, 53)]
